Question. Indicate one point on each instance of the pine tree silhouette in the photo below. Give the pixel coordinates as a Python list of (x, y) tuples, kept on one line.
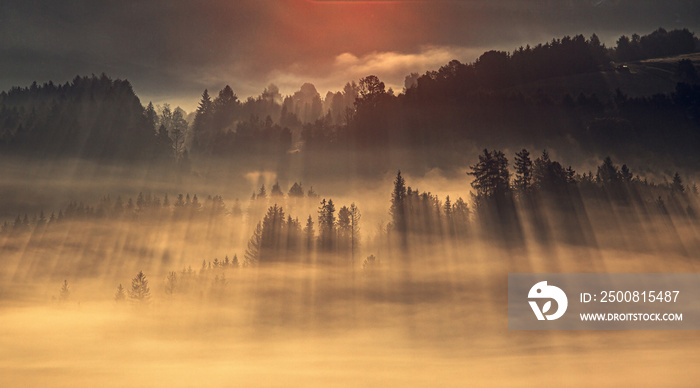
[(139, 292), (120, 295)]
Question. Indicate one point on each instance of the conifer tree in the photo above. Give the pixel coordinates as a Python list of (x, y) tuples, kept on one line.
[(677, 184), (276, 191), (171, 283), (262, 193), (326, 224), (252, 253), (354, 230), (398, 204), (139, 292), (120, 295), (523, 170), (608, 173), (201, 124), (491, 175), (64, 294), (309, 233), (296, 190)]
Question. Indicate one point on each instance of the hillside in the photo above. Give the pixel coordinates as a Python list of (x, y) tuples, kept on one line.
[(91, 117), (645, 78)]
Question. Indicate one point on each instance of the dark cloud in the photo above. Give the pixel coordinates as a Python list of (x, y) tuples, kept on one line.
[(171, 50)]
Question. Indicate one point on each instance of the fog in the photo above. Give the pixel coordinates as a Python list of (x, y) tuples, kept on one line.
[(430, 310), (355, 222)]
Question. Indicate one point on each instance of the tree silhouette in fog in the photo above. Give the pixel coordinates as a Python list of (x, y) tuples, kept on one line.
[(549, 175), (309, 233), (171, 283), (225, 108), (491, 174), (370, 263), (276, 190), (371, 89), (262, 193), (398, 204), (120, 295), (354, 230), (64, 293), (677, 184), (272, 239), (296, 191), (202, 122), (252, 253), (140, 292), (608, 173), (178, 132), (523, 170), (326, 225), (369, 123), (611, 180)]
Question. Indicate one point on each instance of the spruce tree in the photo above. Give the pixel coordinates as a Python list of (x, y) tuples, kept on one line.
[(276, 191), (523, 170), (171, 283), (252, 253), (491, 175), (354, 230), (398, 204), (677, 184), (139, 292), (296, 190), (262, 193), (120, 295), (201, 124), (309, 233)]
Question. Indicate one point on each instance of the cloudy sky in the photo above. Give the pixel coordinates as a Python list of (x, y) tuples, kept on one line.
[(171, 50)]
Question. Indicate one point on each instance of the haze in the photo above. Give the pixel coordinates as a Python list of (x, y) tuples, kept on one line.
[(332, 193)]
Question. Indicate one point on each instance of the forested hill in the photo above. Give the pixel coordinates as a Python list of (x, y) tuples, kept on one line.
[(542, 96), (570, 92), (558, 59), (91, 117)]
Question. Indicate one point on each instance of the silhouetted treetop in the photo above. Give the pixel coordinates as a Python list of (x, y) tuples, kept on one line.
[(94, 117)]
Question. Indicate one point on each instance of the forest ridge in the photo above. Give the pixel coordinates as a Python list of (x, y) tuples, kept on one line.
[(100, 118)]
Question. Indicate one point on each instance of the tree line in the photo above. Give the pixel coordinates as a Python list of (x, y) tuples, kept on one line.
[(92, 117), (502, 192), (148, 206), (97, 117), (280, 238)]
